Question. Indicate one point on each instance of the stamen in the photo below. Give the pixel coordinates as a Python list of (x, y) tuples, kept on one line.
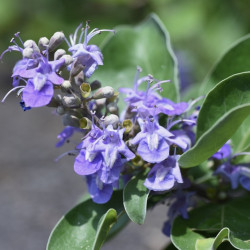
[(71, 152), (17, 35), (67, 41), (171, 124), (93, 33), (18, 87), (194, 101), (138, 71), (242, 153)]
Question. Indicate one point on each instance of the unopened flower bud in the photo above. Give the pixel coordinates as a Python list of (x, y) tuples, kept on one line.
[(76, 69), (60, 110), (137, 161), (68, 59), (95, 85), (56, 40), (31, 44), (105, 92), (112, 108), (66, 85), (54, 103), (85, 123), (111, 120), (128, 125), (85, 90), (28, 52), (71, 120), (43, 43), (71, 101), (59, 53), (100, 103), (58, 98), (113, 98)]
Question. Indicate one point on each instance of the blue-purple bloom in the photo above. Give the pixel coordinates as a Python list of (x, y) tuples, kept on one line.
[(89, 56), (164, 175), (178, 207), (65, 135), (149, 102), (101, 156), (223, 153), (236, 174), (154, 141)]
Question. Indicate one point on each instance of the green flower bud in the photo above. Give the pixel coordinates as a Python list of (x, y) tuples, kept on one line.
[(71, 101), (85, 123), (112, 108), (76, 69), (95, 85), (60, 110), (85, 90), (128, 125), (70, 120), (105, 92)]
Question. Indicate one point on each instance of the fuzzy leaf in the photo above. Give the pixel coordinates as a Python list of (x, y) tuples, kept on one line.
[(86, 225), (147, 45), (135, 196), (225, 108)]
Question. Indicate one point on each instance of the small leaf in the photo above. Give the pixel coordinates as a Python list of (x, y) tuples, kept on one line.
[(147, 45), (86, 225), (224, 109), (231, 221), (135, 196), (105, 224)]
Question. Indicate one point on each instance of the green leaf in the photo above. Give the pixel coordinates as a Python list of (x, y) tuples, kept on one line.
[(147, 45), (86, 225), (204, 244), (234, 61), (135, 196), (226, 106), (104, 225), (231, 221)]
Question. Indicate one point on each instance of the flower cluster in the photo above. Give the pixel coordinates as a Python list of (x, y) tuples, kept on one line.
[(48, 75)]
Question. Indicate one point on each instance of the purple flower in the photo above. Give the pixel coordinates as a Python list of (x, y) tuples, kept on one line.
[(66, 134), (38, 91), (154, 141), (235, 174), (99, 191), (224, 152), (178, 207), (112, 146), (88, 56), (164, 175), (83, 166)]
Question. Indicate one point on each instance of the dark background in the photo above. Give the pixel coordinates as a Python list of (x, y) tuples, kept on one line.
[(34, 190)]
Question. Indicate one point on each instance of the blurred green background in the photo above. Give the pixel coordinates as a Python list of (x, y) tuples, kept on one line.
[(200, 30)]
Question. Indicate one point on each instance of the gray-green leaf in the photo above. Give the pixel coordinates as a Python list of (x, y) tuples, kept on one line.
[(226, 106), (231, 221), (135, 196), (86, 225), (235, 60), (147, 45)]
